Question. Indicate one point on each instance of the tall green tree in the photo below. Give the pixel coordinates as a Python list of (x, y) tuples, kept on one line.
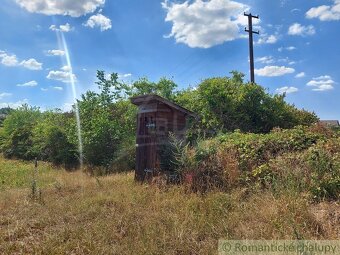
[(225, 104), (105, 119), (164, 87), (17, 132)]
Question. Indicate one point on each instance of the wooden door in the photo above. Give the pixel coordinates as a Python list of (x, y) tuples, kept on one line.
[(146, 157)]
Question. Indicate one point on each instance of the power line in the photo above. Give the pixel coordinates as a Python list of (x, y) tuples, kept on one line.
[(251, 44)]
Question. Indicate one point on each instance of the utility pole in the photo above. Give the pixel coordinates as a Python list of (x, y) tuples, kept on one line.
[(251, 44)]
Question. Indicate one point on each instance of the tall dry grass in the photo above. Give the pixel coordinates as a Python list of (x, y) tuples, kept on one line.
[(79, 214)]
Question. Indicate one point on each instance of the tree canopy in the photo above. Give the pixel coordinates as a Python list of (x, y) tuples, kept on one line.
[(108, 119)]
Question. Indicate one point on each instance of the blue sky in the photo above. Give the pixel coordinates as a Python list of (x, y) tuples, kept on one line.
[(296, 52)]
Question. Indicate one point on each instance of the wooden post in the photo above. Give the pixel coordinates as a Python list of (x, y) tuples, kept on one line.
[(34, 182)]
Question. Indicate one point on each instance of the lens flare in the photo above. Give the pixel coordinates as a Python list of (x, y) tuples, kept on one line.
[(63, 45)]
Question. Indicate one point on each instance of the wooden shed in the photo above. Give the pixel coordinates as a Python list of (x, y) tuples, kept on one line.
[(157, 117)]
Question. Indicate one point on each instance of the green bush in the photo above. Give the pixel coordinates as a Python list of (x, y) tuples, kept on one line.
[(324, 161), (296, 160), (225, 104), (107, 121), (51, 141), (254, 150), (3, 114), (108, 128), (17, 133)]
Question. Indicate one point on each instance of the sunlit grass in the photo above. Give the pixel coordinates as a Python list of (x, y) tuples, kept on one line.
[(78, 214), (19, 174)]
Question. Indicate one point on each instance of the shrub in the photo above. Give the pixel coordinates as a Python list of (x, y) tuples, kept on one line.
[(51, 142), (254, 150), (324, 161), (315, 171), (124, 160), (17, 132), (107, 120), (276, 160), (225, 104)]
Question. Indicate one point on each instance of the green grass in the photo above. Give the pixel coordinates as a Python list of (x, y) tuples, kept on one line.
[(19, 174), (79, 214)]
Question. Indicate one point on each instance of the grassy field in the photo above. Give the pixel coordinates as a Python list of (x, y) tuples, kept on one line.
[(79, 214)]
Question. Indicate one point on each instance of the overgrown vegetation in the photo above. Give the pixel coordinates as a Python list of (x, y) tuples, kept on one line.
[(227, 104), (300, 159), (108, 120), (259, 168), (78, 214), (3, 114)]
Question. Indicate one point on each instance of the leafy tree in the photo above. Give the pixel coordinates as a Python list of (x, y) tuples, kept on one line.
[(16, 134), (164, 88), (51, 142), (225, 104), (3, 114), (106, 119)]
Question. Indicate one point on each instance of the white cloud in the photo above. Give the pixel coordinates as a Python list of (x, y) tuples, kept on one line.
[(265, 39), (298, 29), (203, 24), (286, 59), (12, 60), (31, 64), (66, 68), (9, 60), (58, 88), (55, 53), (63, 28), (99, 20), (2, 95), (63, 75), (290, 48), (272, 71), (14, 105), (28, 84), (286, 90), (67, 107), (321, 83), (300, 75), (126, 75), (325, 12), (44, 89), (74, 8), (243, 20), (265, 60)]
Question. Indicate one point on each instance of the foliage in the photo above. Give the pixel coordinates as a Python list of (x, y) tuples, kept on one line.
[(226, 104), (298, 159), (101, 127), (174, 154), (324, 160), (51, 141), (164, 88), (5, 110), (3, 114), (17, 132), (108, 126)]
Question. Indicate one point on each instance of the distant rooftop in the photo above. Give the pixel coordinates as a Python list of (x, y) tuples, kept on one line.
[(330, 123)]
